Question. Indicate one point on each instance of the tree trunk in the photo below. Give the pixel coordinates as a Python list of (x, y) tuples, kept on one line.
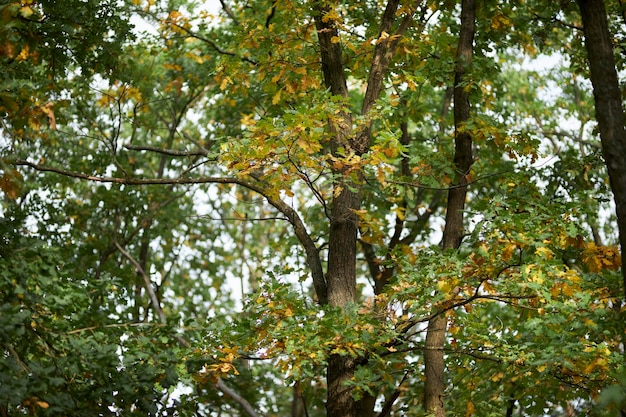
[(434, 364), (298, 407), (342, 243), (341, 274), (609, 111)]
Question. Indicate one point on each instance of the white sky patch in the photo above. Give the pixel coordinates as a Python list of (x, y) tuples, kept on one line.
[(143, 26)]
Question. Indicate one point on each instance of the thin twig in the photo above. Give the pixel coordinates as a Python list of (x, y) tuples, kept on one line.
[(146, 280), (112, 326), (168, 152), (150, 291), (411, 184), (214, 45), (393, 397)]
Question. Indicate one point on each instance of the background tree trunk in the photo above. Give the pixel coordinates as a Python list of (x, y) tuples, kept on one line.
[(434, 389), (608, 103)]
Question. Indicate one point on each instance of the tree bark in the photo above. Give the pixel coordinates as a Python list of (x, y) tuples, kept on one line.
[(434, 363), (608, 104), (343, 233), (341, 274), (298, 406)]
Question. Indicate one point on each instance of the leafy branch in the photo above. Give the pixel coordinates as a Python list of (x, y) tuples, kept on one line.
[(312, 254)]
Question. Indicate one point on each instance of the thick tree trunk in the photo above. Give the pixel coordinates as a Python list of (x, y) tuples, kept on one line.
[(341, 274), (342, 243), (609, 111), (298, 407), (434, 364)]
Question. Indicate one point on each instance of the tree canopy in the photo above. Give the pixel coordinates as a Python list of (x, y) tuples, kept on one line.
[(312, 208)]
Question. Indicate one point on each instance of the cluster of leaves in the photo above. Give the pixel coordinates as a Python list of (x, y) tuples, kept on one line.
[(146, 296), (63, 354)]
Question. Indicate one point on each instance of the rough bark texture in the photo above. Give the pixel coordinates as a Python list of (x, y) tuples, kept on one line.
[(608, 103), (341, 274), (343, 233), (434, 389)]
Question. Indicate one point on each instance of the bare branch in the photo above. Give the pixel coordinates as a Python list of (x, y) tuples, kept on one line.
[(150, 291), (241, 219), (146, 280), (229, 12), (386, 411), (168, 152), (113, 326), (17, 358), (220, 385), (130, 180), (214, 45), (452, 187)]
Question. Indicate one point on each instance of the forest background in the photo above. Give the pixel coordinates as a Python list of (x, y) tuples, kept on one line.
[(312, 208)]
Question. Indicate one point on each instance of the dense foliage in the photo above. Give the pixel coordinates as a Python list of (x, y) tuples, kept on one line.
[(244, 208)]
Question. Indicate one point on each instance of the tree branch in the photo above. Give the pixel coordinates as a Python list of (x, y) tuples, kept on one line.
[(312, 255), (386, 411), (229, 12), (150, 291), (214, 45), (168, 152), (220, 385), (146, 280)]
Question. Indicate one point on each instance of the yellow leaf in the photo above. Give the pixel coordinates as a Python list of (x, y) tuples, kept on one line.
[(309, 146), (175, 14), (500, 21), (335, 39), (497, 376), (544, 252), (23, 55), (26, 12), (331, 15), (224, 83), (248, 120), (447, 285), (47, 110), (276, 97), (469, 409), (394, 99), (507, 252), (174, 67)]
